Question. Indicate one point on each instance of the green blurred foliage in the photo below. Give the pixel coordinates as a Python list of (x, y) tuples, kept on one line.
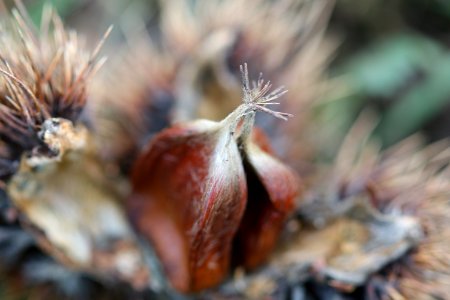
[(406, 76), (63, 7), (395, 60)]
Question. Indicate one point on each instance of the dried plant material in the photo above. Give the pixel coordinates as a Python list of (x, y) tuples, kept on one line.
[(210, 196), (57, 188), (43, 278), (344, 253), (74, 213), (132, 100), (259, 287), (217, 36), (190, 190), (405, 181), (45, 78), (361, 168), (352, 247), (423, 273), (42, 75), (426, 274)]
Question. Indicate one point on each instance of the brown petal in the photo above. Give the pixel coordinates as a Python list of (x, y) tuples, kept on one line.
[(189, 196), (272, 189)]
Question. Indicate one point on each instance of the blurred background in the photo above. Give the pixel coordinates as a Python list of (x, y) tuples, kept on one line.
[(392, 56)]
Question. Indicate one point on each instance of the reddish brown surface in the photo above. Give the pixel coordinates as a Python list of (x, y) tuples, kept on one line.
[(186, 208), (261, 139), (272, 189)]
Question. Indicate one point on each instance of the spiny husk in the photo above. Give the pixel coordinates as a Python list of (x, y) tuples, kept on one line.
[(43, 81), (273, 32), (282, 38), (132, 98), (424, 272), (361, 167), (42, 75), (406, 180)]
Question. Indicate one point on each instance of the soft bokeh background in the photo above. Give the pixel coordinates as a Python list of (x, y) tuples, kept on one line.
[(392, 56)]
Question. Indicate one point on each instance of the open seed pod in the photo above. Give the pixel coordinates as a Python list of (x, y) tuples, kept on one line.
[(56, 189), (190, 191)]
